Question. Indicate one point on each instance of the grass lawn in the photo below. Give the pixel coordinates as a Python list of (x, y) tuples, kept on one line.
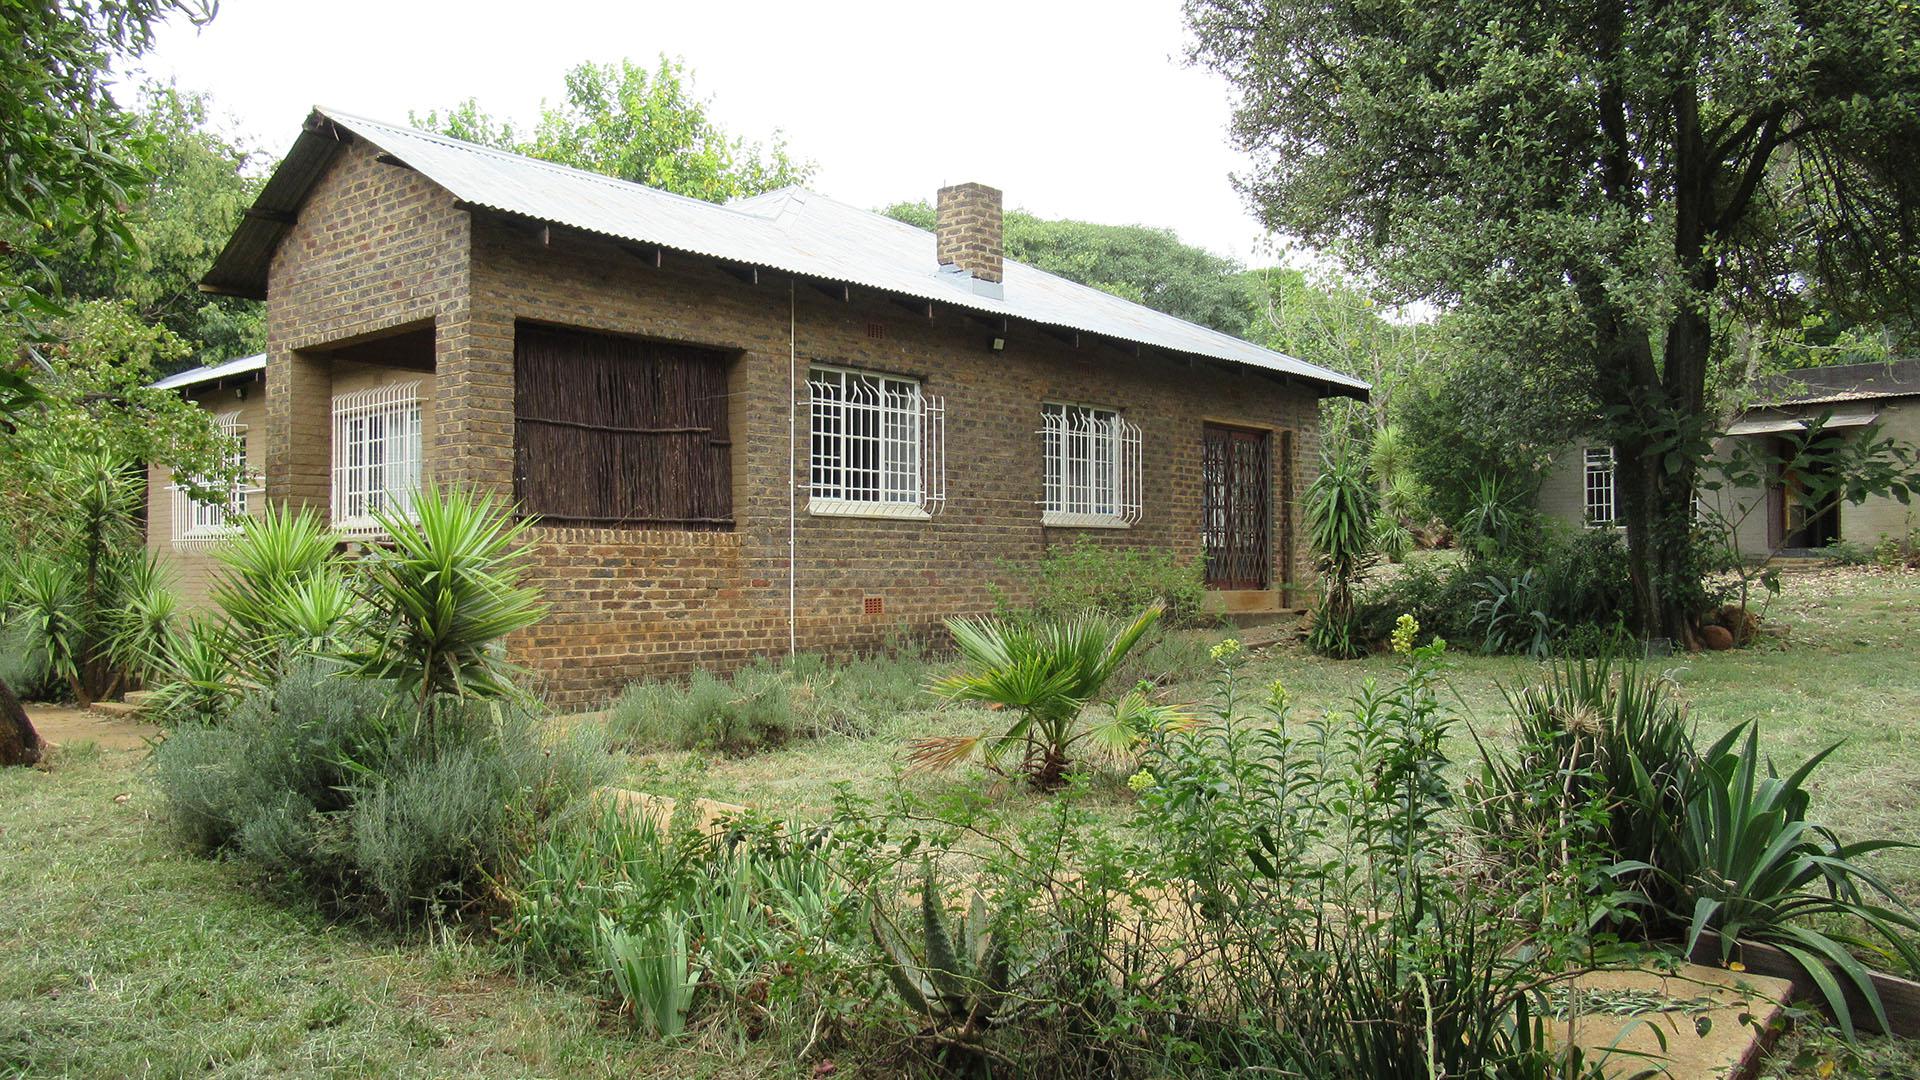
[(123, 955), (1846, 668)]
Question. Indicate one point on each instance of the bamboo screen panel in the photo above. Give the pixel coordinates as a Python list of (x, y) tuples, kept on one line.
[(618, 431)]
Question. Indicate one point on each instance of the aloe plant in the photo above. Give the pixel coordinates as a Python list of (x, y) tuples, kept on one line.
[(960, 982)]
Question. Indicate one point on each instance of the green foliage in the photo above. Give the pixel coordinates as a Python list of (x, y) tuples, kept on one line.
[(1045, 674), (280, 589), (1593, 739), (86, 597), (197, 184), (195, 680), (765, 922), (1567, 596), (316, 781), (1474, 410), (1146, 265), (96, 399), (1512, 616), (1339, 324), (73, 159), (1617, 753), (1340, 509), (961, 978), (442, 594), (644, 126), (1602, 194), (1085, 575), (1750, 866), (653, 970), (751, 710)]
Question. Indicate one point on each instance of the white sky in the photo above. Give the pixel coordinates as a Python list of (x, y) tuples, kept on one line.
[(1082, 110)]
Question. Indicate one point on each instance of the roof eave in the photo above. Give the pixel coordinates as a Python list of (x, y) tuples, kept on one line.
[(241, 267)]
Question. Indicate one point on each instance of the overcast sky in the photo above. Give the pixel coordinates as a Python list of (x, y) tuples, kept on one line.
[(1073, 109)]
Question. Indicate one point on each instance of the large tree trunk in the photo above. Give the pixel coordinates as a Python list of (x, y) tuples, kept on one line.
[(19, 743)]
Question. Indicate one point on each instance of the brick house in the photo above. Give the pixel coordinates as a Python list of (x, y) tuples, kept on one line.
[(780, 423)]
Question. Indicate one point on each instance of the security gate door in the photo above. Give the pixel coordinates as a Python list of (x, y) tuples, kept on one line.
[(1236, 512)]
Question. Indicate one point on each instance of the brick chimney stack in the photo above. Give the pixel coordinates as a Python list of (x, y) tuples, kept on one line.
[(967, 222)]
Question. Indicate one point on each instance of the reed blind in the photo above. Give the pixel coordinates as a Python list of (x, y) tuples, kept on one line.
[(612, 430)]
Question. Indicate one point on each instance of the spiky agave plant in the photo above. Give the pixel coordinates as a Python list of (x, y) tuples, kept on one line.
[(1044, 674), (1750, 866)]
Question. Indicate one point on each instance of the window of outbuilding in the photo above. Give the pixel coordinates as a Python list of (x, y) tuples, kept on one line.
[(1601, 487), (615, 430)]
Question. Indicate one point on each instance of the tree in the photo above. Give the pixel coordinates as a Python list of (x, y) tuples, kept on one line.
[(1137, 262), (1338, 325), (72, 485), (1605, 183), (198, 184), (66, 166), (646, 127)]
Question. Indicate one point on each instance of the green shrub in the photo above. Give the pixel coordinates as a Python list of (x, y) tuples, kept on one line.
[(1435, 592), (747, 711), (1166, 657), (325, 781), (1086, 575), (856, 696)]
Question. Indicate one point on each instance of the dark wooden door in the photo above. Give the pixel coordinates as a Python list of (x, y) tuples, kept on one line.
[(1236, 507)]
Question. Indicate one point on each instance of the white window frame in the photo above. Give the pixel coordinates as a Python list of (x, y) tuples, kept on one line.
[(376, 455), (1600, 488), (895, 432), (198, 522), (1091, 471)]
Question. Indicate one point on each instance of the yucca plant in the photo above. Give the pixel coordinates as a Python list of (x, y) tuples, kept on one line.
[(959, 982), (1340, 509), (1045, 674), (1750, 866), (139, 626), (654, 972), (443, 595), (282, 587), (195, 678), (47, 606)]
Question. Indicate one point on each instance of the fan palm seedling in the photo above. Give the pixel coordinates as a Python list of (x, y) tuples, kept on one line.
[(1044, 674), (442, 596)]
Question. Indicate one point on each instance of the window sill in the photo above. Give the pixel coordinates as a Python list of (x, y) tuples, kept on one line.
[(884, 511), (1060, 519), (204, 538)]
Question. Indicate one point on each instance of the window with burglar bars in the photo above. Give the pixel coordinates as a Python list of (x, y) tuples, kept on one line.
[(376, 455), (1601, 486), (879, 445), (1092, 466), (201, 522)]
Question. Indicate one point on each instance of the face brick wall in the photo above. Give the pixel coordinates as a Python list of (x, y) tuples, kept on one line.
[(377, 248), (629, 603)]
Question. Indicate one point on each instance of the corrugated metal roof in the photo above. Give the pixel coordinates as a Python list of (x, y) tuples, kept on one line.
[(793, 230), (213, 372), (1842, 382)]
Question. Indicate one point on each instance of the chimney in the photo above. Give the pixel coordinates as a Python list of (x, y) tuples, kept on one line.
[(967, 222)]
